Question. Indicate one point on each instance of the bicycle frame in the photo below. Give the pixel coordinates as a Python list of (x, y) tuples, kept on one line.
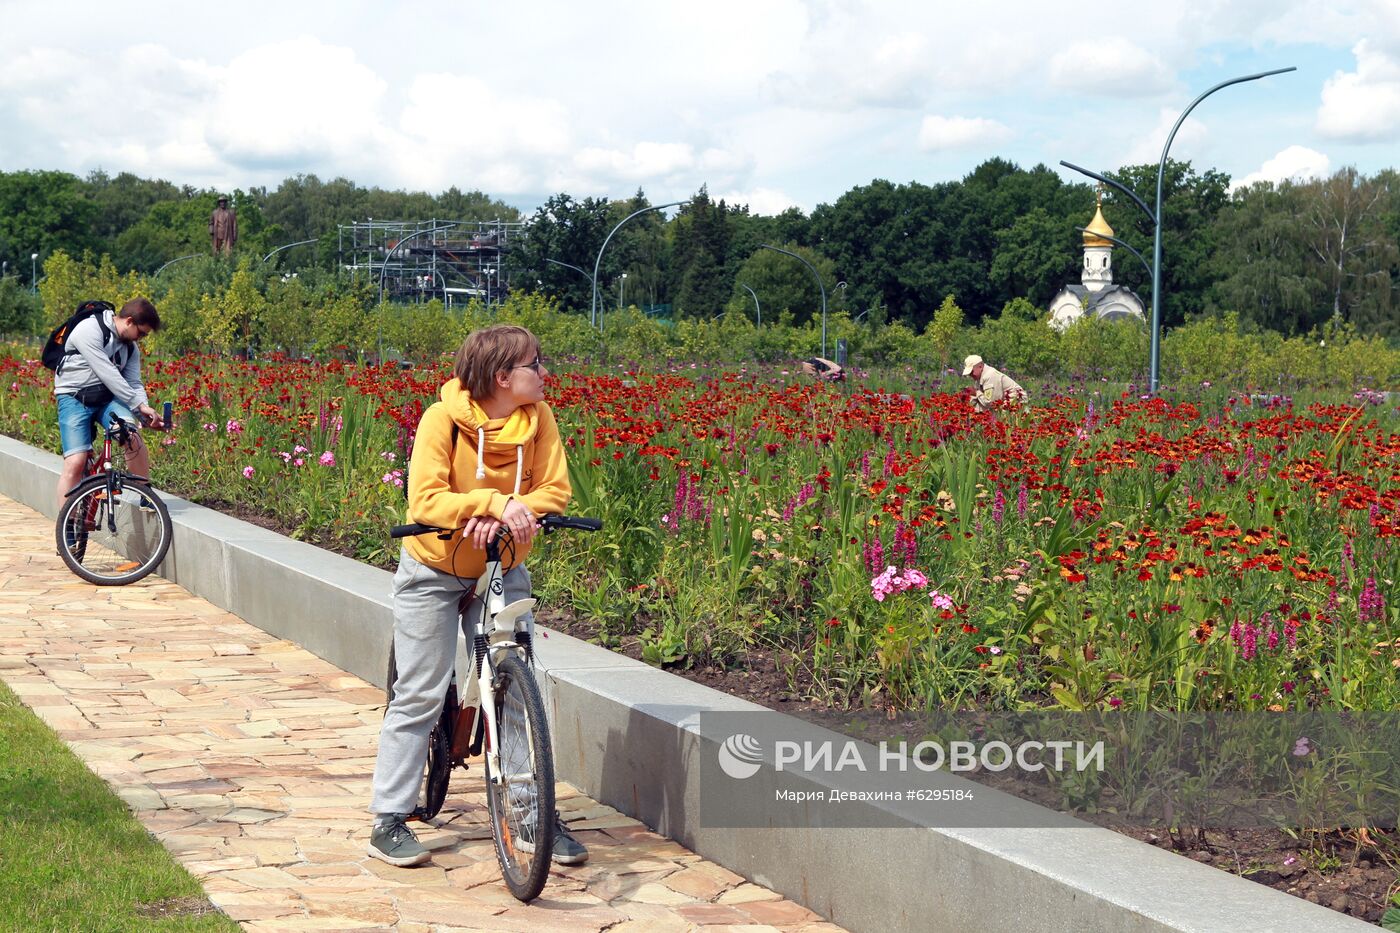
[(103, 464), (497, 628)]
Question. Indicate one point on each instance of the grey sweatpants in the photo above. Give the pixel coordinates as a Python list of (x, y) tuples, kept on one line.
[(425, 649)]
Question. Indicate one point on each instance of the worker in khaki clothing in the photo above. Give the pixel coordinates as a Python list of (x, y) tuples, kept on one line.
[(993, 385)]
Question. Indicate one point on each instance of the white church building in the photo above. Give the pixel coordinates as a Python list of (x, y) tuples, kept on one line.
[(1097, 296)]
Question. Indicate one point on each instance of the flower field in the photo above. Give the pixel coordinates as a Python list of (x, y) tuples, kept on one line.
[(1199, 551)]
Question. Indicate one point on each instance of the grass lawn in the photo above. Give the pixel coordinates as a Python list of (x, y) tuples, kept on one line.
[(72, 857)]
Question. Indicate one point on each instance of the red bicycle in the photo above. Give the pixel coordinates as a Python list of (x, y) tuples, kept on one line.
[(112, 528)]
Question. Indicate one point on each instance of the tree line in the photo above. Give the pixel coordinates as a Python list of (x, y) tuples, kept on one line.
[(1285, 257)]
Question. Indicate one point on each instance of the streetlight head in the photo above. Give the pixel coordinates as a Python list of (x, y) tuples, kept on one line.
[(33, 255)]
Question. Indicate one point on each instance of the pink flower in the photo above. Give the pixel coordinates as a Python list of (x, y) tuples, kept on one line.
[(328, 459), (298, 462), (247, 472)]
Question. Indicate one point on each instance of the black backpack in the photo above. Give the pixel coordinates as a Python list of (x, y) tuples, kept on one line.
[(56, 347)]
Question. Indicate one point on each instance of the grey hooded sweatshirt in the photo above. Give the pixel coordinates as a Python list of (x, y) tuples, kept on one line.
[(117, 365)]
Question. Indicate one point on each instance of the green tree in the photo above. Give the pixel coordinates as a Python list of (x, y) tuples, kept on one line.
[(1262, 261), (1036, 256), (1354, 255), (43, 212), (122, 202), (782, 284), (1190, 205), (942, 332), (566, 231), (700, 255)]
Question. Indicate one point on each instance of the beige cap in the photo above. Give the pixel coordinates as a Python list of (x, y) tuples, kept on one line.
[(969, 363)]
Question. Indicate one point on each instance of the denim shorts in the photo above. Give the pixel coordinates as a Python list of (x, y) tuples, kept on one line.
[(76, 428)]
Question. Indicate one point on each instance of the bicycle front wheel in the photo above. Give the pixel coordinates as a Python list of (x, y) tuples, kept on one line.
[(113, 539), (521, 797)]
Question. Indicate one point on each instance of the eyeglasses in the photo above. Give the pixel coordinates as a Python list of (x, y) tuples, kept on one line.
[(536, 364)]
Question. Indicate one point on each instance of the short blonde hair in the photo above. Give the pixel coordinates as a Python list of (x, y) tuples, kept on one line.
[(489, 351)]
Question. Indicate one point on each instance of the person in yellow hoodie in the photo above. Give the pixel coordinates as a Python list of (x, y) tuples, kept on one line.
[(487, 454)]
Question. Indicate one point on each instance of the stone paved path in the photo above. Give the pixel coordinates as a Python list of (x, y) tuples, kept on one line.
[(250, 759)]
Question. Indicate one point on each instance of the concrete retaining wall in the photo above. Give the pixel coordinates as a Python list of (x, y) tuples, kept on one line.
[(629, 735)]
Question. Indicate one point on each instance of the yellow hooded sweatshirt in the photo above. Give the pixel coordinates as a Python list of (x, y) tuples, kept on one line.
[(516, 457)]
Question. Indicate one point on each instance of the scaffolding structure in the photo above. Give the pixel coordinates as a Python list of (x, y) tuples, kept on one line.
[(421, 260)]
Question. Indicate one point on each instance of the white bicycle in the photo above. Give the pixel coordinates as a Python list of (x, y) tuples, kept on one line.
[(500, 712)]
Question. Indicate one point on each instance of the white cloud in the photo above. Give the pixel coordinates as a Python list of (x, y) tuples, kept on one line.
[(1296, 163), (1147, 150), (1363, 105), (294, 102), (766, 201), (938, 133), (1111, 66)]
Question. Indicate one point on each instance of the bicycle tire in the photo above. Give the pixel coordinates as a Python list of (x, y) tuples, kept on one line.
[(113, 547), (437, 767), (519, 708)]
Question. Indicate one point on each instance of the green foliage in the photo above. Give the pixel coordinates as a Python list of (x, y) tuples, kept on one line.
[(1017, 346), (1020, 309), (1115, 350), (783, 283), (43, 212), (703, 232), (64, 287), (1191, 203), (943, 331), (244, 309), (1223, 350), (21, 311), (1037, 255)]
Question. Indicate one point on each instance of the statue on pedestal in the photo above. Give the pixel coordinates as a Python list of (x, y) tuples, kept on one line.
[(223, 228)]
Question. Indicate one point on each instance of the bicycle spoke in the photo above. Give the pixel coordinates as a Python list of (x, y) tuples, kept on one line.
[(113, 540)]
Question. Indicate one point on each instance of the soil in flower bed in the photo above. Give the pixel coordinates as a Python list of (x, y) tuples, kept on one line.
[(1352, 874)]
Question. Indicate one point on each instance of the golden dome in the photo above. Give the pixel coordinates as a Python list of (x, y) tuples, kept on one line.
[(1098, 229)]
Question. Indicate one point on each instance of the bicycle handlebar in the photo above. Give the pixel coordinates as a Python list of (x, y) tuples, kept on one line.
[(547, 522)]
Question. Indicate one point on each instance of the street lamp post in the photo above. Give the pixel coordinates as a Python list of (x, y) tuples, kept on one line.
[(1156, 218), (815, 274), (621, 290), (173, 261), (593, 308), (289, 246), (33, 278), (757, 309), (566, 265)]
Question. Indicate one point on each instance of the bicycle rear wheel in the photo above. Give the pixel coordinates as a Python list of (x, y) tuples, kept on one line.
[(437, 769), (521, 798), (115, 539)]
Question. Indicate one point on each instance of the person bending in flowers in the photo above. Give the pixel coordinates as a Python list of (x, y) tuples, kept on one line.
[(487, 454)]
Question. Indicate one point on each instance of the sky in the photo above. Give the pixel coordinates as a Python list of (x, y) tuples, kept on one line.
[(770, 103)]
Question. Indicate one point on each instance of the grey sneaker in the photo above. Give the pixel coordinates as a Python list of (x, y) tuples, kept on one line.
[(567, 850), (392, 841)]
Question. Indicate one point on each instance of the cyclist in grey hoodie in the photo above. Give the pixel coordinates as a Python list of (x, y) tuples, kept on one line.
[(100, 377)]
